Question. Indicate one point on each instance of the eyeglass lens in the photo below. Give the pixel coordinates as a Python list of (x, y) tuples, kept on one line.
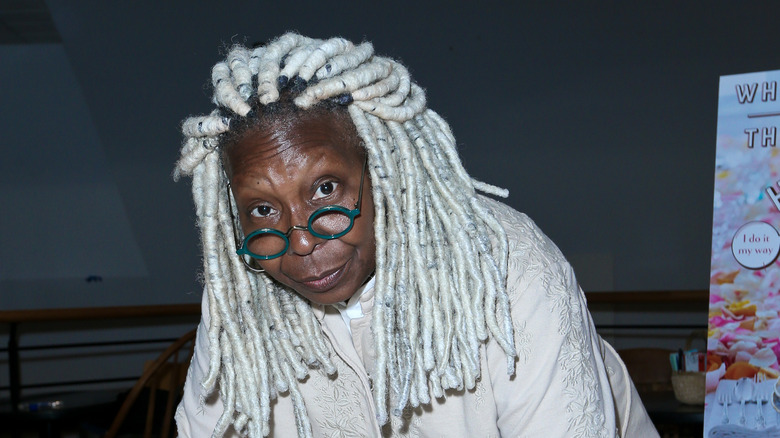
[(331, 222)]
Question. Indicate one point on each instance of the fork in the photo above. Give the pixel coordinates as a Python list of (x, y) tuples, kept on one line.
[(724, 398), (760, 421), (744, 391), (761, 397)]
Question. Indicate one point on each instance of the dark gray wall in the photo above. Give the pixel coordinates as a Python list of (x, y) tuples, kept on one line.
[(599, 119)]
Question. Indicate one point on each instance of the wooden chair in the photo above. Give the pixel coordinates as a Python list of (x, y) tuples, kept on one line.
[(165, 374)]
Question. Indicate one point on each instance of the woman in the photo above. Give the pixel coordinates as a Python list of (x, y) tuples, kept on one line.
[(356, 284)]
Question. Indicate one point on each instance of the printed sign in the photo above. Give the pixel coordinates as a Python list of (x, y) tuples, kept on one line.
[(744, 328)]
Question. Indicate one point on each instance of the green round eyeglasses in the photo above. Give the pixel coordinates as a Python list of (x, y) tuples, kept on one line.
[(329, 222)]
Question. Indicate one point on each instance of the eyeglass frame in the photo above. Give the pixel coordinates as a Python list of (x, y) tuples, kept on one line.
[(242, 250)]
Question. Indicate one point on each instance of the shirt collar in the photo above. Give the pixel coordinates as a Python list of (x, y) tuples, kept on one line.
[(352, 309)]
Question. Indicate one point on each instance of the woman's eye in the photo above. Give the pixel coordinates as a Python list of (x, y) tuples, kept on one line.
[(261, 211), (325, 189)]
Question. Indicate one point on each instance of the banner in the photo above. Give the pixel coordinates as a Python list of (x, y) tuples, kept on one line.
[(743, 345)]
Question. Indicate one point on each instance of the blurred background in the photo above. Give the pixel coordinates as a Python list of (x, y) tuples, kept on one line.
[(599, 117), (600, 120)]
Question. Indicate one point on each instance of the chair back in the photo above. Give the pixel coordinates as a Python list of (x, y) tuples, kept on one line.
[(166, 373)]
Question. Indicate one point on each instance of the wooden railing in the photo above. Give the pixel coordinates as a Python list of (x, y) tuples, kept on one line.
[(15, 317), (679, 305), (675, 299), (665, 296), (92, 313)]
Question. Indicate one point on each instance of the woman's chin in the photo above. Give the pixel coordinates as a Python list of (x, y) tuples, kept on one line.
[(330, 297)]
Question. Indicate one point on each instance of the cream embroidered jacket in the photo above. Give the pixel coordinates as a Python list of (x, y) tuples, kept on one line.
[(568, 383)]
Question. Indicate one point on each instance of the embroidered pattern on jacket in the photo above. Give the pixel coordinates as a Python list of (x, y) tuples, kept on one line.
[(338, 400), (532, 254), (584, 405)]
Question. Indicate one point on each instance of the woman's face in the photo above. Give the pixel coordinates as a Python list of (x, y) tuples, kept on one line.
[(280, 176)]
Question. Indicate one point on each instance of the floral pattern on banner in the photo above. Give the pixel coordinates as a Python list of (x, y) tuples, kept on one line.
[(744, 326)]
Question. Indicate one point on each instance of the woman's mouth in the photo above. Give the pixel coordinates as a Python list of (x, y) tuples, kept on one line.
[(324, 283)]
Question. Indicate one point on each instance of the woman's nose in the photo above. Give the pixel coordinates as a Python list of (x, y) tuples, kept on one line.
[(301, 241)]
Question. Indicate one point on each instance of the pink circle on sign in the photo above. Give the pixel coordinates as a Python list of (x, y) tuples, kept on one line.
[(756, 245)]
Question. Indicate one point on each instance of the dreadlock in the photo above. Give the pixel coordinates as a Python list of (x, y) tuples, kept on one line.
[(441, 255)]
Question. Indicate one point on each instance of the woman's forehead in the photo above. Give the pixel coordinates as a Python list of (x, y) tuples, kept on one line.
[(318, 138)]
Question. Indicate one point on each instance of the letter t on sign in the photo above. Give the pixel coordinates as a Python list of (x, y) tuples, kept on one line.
[(774, 196)]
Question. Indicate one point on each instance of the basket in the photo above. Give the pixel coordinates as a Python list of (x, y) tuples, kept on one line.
[(689, 386)]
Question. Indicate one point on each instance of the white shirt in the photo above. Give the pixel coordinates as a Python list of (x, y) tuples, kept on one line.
[(352, 309)]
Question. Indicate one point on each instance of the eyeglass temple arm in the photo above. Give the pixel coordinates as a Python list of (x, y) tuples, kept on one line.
[(362, 178), (238, 242)]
